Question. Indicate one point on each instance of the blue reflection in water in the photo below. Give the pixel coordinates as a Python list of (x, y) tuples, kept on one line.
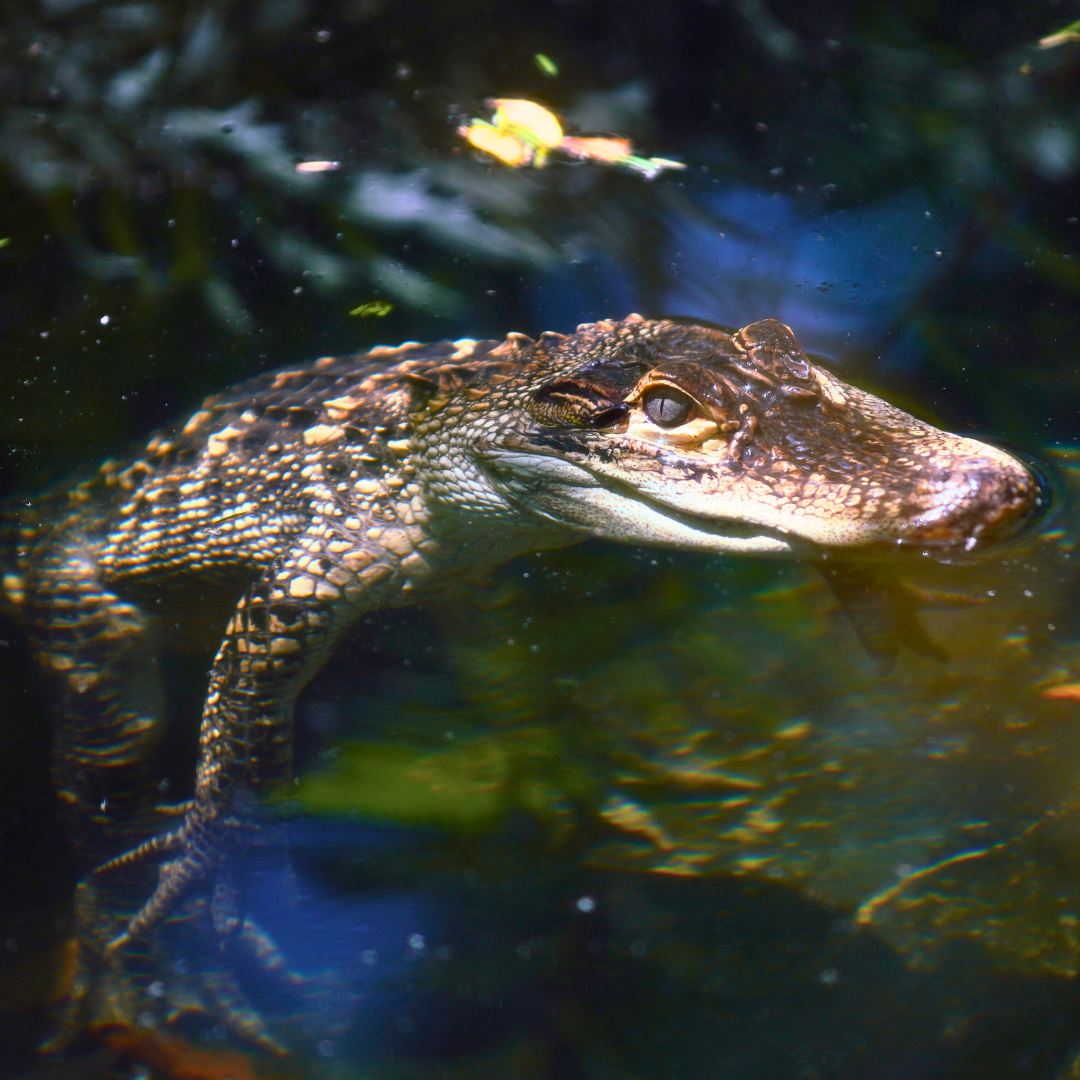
[(370, 943), (839, 278), (599, 288)]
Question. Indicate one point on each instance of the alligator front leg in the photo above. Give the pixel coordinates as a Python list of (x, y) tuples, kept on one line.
[(281, 632), (101, 652)]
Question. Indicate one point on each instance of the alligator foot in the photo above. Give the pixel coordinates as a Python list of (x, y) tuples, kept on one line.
[(183, 980), (206, 844)]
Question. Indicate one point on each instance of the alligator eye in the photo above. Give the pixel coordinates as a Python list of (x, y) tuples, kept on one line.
[(668, 408)]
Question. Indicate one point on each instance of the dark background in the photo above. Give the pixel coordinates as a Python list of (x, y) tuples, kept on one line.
[(898, 181), (146, 153)]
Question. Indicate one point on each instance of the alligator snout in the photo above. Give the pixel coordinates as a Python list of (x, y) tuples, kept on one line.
[(971, 502)]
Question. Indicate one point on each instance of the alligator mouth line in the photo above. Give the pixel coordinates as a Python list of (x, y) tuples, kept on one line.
[(867, 539), (614, 498)]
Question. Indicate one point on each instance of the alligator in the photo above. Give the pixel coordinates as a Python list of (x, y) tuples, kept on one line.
[(286, 507)]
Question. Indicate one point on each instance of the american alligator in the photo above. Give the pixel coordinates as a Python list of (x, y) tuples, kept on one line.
[(288, 506)]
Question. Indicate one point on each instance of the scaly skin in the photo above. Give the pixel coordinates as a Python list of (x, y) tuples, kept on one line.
[(291, 504)]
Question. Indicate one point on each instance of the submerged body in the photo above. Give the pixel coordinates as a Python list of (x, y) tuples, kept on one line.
[(287, 507)]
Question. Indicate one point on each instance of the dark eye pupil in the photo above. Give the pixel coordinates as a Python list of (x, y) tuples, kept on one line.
[(667, 409)]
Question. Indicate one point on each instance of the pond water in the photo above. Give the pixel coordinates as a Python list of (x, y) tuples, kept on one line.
[(608, 813)]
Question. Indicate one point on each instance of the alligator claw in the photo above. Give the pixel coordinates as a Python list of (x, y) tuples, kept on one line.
[(175, 878), (156, 845)]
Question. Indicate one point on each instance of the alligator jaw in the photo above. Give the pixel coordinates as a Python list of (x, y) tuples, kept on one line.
[(964, 496), (979, 496), (575, 497), (977, 501)]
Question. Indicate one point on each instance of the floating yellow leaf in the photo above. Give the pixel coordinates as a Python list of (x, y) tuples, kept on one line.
[(528, 121), (595, 149), (499, 144), (523, 133)]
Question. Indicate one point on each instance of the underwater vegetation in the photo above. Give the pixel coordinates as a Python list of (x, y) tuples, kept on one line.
[(689, 720), (660, 814)]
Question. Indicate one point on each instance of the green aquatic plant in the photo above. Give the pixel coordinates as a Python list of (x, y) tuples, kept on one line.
[(377, 309), (751, 737)]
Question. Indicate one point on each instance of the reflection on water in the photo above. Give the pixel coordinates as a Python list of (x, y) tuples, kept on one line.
[(633, 813), (843, 275), (620, 807), (609, 814)]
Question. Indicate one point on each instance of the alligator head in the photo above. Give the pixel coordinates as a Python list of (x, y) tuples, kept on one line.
[(659, 432)]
